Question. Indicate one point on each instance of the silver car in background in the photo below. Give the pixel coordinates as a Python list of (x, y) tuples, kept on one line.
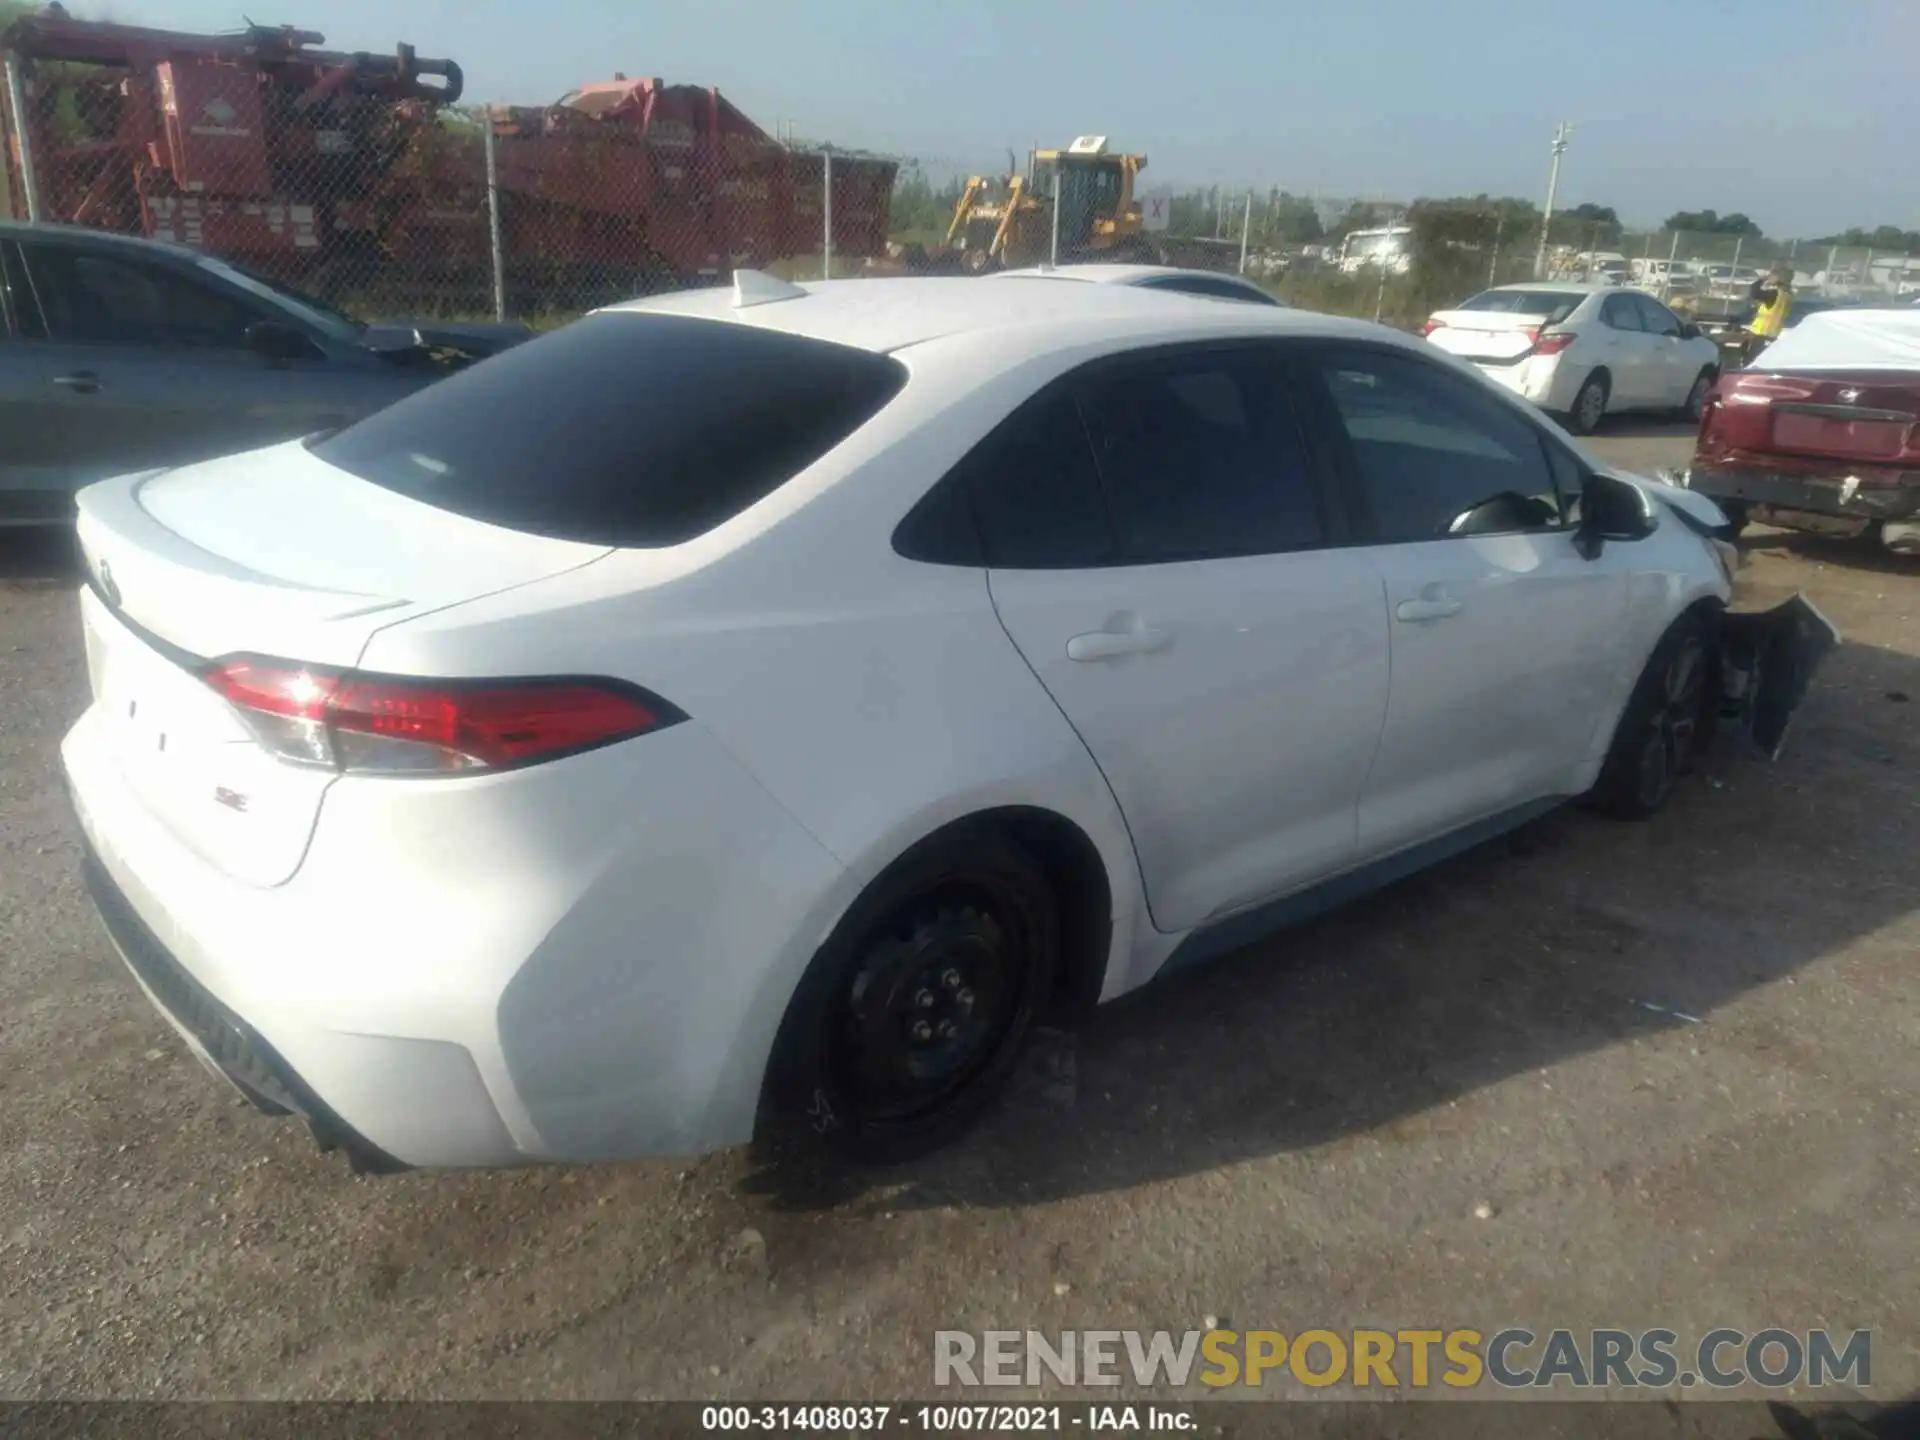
[(119, 354)]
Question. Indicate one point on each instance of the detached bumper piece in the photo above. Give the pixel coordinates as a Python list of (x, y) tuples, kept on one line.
[(1767, 661), (248, 1061), (1842, 504)]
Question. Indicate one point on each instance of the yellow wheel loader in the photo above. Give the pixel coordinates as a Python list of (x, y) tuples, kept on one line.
[(1007, 222)]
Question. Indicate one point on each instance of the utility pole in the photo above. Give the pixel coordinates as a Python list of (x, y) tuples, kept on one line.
[(1561, 136)]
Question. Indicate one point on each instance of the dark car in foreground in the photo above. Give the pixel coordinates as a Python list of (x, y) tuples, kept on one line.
[(1822, 433), (119, 354)]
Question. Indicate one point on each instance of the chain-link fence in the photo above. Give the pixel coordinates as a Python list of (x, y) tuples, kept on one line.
[(365, 181), (355, 178)]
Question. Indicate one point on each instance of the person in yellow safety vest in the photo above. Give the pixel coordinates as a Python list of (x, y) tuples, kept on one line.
[(1772, 296)]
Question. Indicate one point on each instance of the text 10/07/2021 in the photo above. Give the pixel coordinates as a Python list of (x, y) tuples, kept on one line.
[(946, 1419)]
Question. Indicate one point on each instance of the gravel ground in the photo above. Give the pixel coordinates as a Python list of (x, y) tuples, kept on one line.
[(1306, 1134)]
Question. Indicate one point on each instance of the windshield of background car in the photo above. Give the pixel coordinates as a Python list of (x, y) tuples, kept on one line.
[(1556, 305), (622, 428), (321, 316)]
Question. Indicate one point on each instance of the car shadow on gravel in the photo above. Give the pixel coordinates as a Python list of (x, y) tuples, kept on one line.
[(39, 556), (1644, 427), (1572, 935)]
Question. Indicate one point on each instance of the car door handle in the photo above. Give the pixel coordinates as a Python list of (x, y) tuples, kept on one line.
[(81, 382), (1112, 644), (1427, 607)]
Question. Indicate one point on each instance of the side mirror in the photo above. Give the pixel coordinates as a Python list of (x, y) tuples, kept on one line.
[(278, 344), (1689, 332), (1611, 509)]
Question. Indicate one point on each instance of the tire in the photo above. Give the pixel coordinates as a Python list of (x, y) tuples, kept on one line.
[(1695, 405), (912, 1017), (1589, 404), (1662, 726)]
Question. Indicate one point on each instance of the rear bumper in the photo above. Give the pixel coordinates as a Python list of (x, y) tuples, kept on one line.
[(1542, 379), (221, 1040), (1778, 496), (488, 973)]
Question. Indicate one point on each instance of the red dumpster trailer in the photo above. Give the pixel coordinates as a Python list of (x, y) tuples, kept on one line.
[(350, 173)]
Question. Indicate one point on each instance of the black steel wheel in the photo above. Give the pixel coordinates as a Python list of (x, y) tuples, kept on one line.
[(913, 1016), (1662, 726)]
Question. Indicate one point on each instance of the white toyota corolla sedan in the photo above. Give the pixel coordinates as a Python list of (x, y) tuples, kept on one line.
[(1582, 351), (750, 711)]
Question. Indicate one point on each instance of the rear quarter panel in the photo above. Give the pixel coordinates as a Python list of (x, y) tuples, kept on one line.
[(877, 699)]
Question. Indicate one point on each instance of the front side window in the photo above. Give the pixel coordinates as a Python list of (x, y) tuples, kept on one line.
[(1655, 318), (89, 298), (1434, 458)]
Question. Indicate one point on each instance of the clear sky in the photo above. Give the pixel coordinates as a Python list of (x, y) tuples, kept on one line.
[(1801, 115)]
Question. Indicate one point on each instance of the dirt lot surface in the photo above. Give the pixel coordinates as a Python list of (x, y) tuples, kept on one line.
[(1448, 1106)]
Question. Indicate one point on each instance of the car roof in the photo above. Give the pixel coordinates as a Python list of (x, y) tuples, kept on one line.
[(1117, 274), (82, 235), (891, 314)]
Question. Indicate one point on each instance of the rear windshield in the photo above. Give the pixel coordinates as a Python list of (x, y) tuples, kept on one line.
[(1556, 305), (621, 429)]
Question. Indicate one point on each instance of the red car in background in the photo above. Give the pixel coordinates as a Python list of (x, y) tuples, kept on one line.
[(1822, 432)]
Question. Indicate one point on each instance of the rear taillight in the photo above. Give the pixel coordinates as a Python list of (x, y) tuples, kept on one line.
[(1551, 343), (398, 725), (1433, 325)]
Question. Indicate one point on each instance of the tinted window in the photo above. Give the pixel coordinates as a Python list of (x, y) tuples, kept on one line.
[(1618, 313), (1556, 305), (90, 298), (1655, 318), (1202, 456), (1216, 290), (1434, 457), (621, 429), (1036, 493)]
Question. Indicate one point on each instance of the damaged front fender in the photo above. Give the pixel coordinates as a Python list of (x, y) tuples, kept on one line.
[(1767, 661)]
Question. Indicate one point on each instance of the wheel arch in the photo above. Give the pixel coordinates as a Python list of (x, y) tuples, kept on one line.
[(1078, 872)]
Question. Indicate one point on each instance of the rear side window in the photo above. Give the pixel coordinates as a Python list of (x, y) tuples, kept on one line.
[(621, 429), (1035, 492), (1203, 458)]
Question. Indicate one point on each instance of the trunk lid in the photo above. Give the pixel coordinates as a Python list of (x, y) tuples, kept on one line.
[(273, 553), (1495, 337), (1853, 416)]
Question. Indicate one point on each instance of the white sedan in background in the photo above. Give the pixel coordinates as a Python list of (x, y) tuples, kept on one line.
[(1582, 351), (1208, 284), (753, 711)]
